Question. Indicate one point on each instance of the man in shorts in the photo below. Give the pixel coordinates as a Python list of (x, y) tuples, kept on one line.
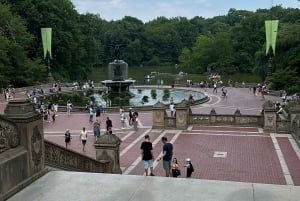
[(166, 156), (147, 155)]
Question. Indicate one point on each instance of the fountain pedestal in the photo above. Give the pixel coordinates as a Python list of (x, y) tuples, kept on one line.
[(118, 83)]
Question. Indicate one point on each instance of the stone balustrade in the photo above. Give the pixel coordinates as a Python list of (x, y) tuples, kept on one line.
[(62, 158)]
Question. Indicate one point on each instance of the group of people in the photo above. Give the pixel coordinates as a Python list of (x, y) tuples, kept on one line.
[(9, 94), (49, 112), (170, 165)]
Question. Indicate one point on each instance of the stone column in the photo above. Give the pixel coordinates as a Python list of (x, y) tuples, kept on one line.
[(159, 114), (270, 116), (30, 125), (213, 116), (237, 117), (108, 149), (182, 115), (294, 111)]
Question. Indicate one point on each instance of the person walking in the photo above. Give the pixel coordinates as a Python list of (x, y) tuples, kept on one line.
[(166, 155), (91, 113), (108, 124), (98, 113), (122, 119), (83, 137), (67, 138), (97, 129), (147, 155), (52, 113), (69, 107)]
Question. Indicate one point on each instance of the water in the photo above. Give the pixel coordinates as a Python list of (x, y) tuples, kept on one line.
[(176, 94)]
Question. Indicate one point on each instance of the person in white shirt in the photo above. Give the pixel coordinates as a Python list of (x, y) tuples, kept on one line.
[(83, 137)]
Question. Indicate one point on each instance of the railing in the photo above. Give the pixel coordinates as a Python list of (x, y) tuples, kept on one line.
[(237, 120), (59, 157)]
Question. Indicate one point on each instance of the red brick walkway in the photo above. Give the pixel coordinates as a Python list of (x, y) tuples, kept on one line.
[(291, 158)]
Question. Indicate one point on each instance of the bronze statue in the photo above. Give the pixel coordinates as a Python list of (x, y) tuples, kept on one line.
[(117, 50)]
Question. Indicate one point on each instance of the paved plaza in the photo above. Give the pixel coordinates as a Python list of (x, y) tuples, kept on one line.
[(227, 153), (218, 153)]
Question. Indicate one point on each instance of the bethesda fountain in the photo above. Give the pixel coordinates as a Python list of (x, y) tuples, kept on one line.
[(118, 82)]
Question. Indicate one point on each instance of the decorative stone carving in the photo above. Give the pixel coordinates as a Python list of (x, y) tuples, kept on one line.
[(36, 143), (9, 135)]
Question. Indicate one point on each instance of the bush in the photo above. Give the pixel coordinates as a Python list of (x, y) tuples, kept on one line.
[(153, 93)]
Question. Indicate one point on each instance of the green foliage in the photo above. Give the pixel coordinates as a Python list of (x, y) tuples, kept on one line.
[(286, 79), (166, 94), (77, 98), (117, 101), (230, 44), (153, 93), (289, 105)]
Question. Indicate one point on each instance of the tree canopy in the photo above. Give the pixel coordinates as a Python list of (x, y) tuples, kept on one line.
[(229, 44)]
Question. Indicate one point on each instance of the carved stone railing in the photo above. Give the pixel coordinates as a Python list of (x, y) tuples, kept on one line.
[(222, 119), (59, 157), (170, 122)]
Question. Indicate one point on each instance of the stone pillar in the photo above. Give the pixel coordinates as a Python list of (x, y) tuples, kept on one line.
[(159, 114), (30, 125), (237, 116), (108, 149), (294, 111), (182, 115), (270, 116), (213, 116)]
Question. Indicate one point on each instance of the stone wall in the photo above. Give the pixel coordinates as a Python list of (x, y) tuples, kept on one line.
[(65, 159), (21, 147)]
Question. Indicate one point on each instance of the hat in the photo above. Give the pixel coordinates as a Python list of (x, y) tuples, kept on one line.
[(147, 137), (188, 160)]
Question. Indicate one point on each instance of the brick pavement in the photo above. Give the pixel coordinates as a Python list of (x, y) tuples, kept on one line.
[(291, 158), (251, 156)]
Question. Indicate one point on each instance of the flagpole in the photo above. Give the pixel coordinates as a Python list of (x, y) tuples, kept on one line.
[(49, 68)]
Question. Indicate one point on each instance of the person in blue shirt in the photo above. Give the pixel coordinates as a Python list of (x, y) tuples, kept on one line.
[(166, 156)]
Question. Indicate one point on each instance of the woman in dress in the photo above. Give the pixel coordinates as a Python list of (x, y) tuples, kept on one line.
[(67, 138)]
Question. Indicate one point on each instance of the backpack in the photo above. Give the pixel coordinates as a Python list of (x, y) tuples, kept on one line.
[(192, 167)]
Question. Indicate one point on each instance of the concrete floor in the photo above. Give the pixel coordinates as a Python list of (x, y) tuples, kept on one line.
[(79, 186)]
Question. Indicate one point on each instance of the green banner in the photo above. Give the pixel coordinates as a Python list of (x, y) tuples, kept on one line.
[(46, 37), (271, 33)]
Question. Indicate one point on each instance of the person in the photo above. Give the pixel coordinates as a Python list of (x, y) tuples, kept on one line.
[(98, 113), (166, 155), (52, 113), (172, 108), (175, 168), (91, 113), (108, 124), (67, 138), (254, 90), (83, 137), (122, 118), (130, 116), (55, 105), (189, 168), (147, 155), (135, 119), (224, 91), (69, 107), (97, 129), (215, 88)]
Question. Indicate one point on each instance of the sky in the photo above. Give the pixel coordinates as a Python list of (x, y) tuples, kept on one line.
[(147, 10)]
